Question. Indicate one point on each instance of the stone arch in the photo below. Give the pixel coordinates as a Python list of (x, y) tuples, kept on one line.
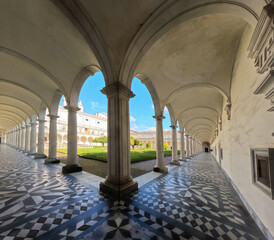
[(178, 91), (83, 139), (186, 123), (74, 12), (206, 125), (209, 108), (78, 83), (153, 93), (173, 121), (170, 15), (53, 110)]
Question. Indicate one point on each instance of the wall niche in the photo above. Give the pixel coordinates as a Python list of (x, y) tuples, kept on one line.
[(263, 170)]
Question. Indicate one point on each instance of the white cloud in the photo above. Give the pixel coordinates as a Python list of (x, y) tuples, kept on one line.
[(151, 129), (134, 127), (132, 119), (96, 105), (152, 106)]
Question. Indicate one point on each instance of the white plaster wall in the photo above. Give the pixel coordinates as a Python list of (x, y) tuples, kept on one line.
[(251, 126)]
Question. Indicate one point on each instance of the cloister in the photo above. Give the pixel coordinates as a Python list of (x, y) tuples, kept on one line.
[(209, 62)]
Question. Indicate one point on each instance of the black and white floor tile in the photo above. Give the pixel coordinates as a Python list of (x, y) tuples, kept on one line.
[(193, 201)]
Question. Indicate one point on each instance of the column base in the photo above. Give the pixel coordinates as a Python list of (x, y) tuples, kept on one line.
[(118, 191), (71, 168), (52, 160), (182, 160), (26, 152), (160, 169), (31, 154), (175, 163), (39, 156)]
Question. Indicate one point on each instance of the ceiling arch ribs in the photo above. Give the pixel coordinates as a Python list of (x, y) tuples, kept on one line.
[(9, 119), (172, 14), (21, 100), (15, 110), (13, 114), (200, 118), (179, 91), (197, 125), (23, 87), (202, 107), (37, 66), (18, 104), (203, 130)]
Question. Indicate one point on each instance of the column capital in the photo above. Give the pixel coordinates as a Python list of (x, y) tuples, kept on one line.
[(41, 120), (32, 124), (173, 126), (117, 87), (28, 125), (159, 117), (23, 127), (53, 116), (72, 108)]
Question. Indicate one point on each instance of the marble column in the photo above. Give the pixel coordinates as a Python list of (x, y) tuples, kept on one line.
[(72, 163), (187, 145), (160, 155), (33, 139), (41, 140), (182, 146), (119, 182), (23, 139), (190, 146), (17, 138), (52, 158), (27, 138), (175, 160)]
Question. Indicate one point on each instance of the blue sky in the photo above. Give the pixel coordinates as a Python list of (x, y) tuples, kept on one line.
[(140, 107)]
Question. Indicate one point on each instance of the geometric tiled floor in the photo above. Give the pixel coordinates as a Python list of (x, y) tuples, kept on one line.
[(193, 201)]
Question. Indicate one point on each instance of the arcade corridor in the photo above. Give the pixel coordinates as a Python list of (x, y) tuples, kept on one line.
[(192, 201)]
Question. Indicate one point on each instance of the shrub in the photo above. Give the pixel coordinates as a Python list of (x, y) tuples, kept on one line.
[(148, 145), (166, 146)]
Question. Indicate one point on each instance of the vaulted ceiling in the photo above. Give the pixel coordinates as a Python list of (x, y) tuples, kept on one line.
[(185, 48)]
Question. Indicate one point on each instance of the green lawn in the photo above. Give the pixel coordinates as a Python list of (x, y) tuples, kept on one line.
[(100, 153)]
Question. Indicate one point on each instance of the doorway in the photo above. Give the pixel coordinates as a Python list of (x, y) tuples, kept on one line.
[(206, 149)]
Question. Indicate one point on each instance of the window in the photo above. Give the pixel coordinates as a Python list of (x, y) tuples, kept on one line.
[(263, 169)]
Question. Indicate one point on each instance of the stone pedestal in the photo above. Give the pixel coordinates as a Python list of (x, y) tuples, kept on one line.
[(33, 139), (182, 145), (41, 140), (72, 164), (119, 182), (175, 160), (160, 155), (52, 141)]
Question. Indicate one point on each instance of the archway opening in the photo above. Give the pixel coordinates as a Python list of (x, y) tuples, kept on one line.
[(91, 126)]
